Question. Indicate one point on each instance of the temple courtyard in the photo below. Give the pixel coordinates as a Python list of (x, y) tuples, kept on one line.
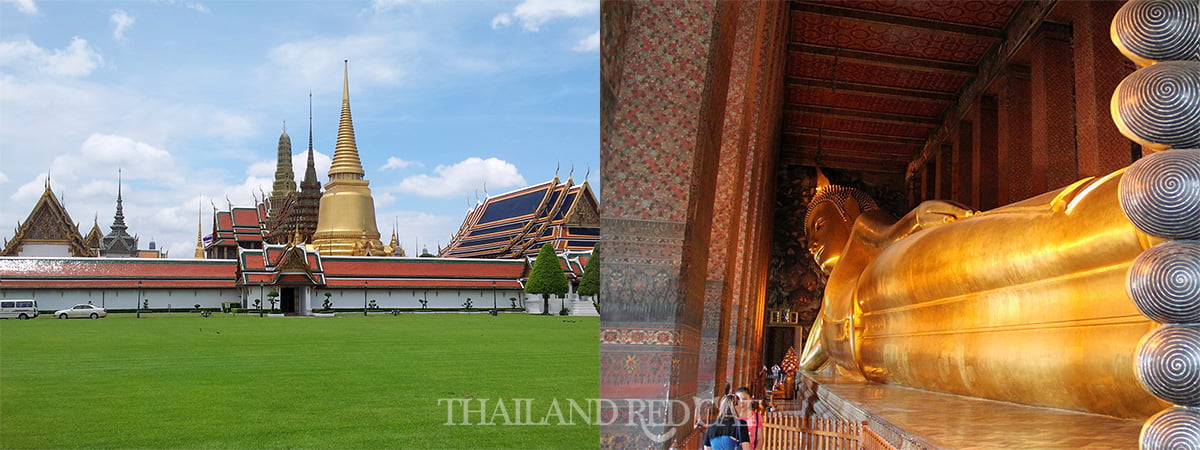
[(350, 381)]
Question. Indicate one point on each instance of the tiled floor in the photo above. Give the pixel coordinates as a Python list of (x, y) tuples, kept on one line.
[(957, 422)]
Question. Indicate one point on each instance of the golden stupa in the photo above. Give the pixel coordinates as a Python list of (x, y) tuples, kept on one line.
[(346, 222)]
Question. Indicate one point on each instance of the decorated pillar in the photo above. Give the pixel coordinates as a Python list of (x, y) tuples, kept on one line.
[(984, 161), (945, 172), (1101, 148), (662, 114), (1052, 109), (1014, 162), (962, 165), (740, 112)]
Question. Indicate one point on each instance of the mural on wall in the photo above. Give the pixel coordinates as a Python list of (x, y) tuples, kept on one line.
[(794, 282)]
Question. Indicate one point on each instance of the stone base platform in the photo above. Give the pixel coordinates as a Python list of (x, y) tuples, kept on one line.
[(917, 419)]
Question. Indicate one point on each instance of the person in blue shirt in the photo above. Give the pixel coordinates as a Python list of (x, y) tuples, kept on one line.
[(727, 431)]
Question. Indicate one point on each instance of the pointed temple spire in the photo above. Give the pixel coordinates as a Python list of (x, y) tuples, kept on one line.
[(310, 172), (199, 229), (346, 219), (309, 202), (285, 179), (346, 164), (118, 242), (119, 218)]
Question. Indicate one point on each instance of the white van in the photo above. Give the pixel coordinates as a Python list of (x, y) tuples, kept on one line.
[(19, 309)]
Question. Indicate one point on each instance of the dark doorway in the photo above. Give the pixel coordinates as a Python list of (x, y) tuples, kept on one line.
[(287, 300), (776, 344)]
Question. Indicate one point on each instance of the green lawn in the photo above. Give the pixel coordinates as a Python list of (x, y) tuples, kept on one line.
[(343, 382)]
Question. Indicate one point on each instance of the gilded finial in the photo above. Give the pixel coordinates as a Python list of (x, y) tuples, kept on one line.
[(346, 163), (587, 174), (822, 182), (228, 202), (571, 174), (285, 127)]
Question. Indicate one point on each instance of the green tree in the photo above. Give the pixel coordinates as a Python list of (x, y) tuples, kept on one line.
[(589, 284), (547, 277)]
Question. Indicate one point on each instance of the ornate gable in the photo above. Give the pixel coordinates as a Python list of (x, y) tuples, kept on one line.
[(294, 261), (48, 223), (584, 212)]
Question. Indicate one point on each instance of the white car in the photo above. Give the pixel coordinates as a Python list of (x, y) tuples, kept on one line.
[(81, 311)]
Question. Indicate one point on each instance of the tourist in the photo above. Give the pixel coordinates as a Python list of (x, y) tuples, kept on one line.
[(727, 432), (750, 411)]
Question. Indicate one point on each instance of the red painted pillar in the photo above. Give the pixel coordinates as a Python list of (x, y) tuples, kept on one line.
[(1052, 109), (984, 194), (1014, 160), (1099, 67), (963, 155)]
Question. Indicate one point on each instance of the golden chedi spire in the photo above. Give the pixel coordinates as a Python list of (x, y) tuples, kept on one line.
[(347, 214), (199, 231), (346, 164)]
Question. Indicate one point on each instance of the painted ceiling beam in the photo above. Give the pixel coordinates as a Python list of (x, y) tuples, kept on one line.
[(858, 114), (896, 19), (873, 89), (854, 136), (885, 59)]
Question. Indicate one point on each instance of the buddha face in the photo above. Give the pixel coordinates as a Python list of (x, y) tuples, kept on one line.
[(827, 235)]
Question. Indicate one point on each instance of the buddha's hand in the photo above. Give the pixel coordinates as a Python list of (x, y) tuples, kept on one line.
[(932, 213)]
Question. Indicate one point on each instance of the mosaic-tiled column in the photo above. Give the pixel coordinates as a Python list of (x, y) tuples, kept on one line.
[(1158, 106), (659, 153)]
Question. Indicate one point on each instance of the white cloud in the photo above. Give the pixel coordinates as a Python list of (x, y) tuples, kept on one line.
[(415, 230), (196, 6), (501, 21), (3, 178), (589, 44), (199, 7), (137, 158), (464, 177), (25, 6), (534, 13), (78, 59), (316, 62), (397, 163), (121, 21)]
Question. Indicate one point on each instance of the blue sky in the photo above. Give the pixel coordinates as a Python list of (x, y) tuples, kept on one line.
[(188, 98)]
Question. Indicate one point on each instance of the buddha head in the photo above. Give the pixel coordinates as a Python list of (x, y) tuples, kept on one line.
[(829, 219)]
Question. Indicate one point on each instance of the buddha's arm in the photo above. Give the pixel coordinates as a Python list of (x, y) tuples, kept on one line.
[(813, 357), (875, 229)]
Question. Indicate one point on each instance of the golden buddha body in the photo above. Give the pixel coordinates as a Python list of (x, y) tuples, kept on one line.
[(1023, 303), (1084, 298)]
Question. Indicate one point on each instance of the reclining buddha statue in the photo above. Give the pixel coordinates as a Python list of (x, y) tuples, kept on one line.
[(1084, 298), (1023, 303)]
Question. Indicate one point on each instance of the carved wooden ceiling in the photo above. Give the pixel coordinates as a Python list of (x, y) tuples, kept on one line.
[(869, 83)]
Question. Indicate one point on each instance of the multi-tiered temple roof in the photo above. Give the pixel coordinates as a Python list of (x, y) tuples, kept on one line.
[(516, 224), (48, 231)]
